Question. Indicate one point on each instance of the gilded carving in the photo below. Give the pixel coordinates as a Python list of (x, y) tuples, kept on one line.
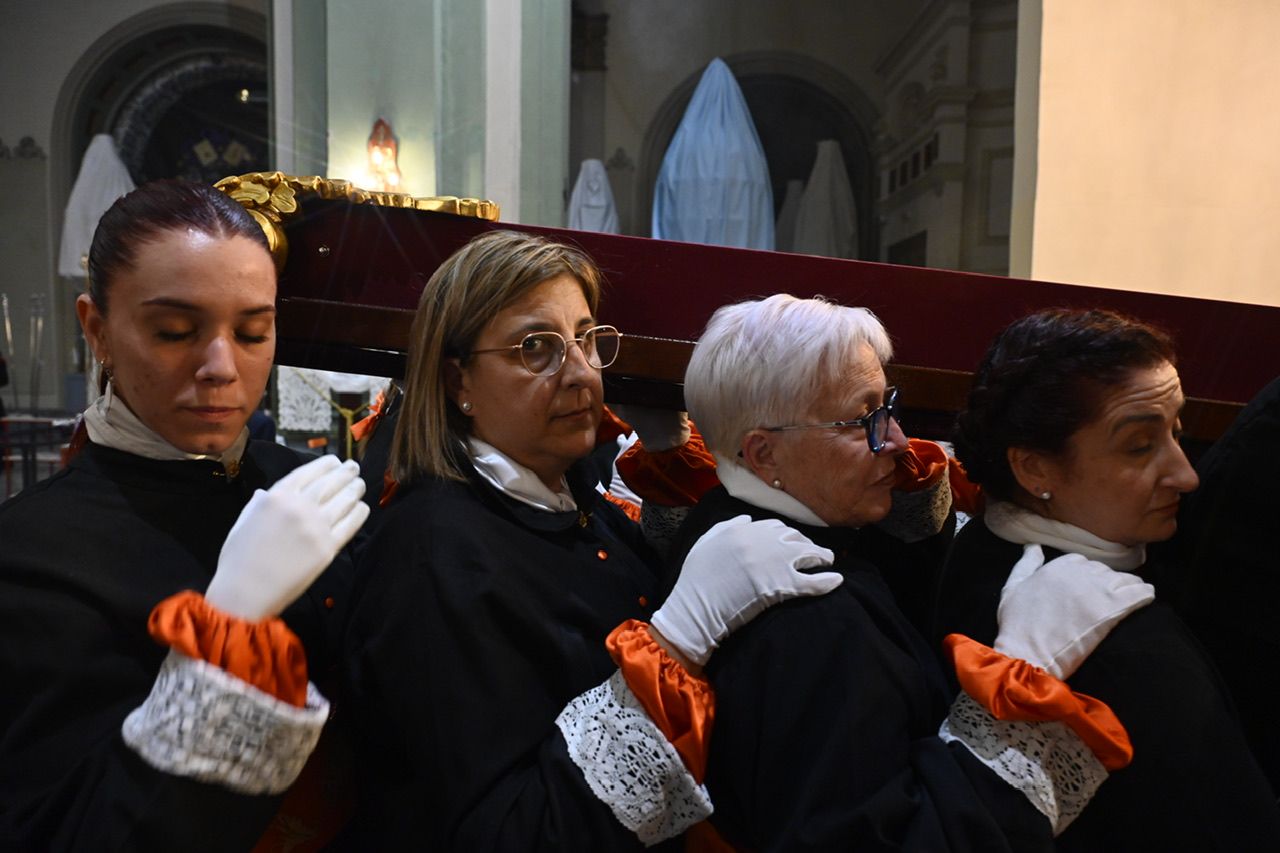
[(270, 197)]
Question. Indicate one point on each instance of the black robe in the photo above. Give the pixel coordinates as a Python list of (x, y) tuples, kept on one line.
[(477, 619), (1193, 784), (1223, 568), (827, 714), (84, 557)]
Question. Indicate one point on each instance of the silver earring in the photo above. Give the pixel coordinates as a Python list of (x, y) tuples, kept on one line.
[(1044, 496), (466, 407), (777, 484)]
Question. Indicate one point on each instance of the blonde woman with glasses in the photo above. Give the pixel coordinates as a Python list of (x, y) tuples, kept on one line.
[(504, 686)]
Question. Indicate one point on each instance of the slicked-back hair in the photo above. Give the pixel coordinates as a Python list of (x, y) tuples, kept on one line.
[(764, 363), (468, 290), (1044, 377), (151, 210)]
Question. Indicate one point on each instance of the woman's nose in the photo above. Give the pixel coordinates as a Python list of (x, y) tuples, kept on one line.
[(895, 440), (1181, 475), (217, 361), (576, 368)]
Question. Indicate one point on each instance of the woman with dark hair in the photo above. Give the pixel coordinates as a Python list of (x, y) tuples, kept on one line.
[(502, 688), (163, 598), (1071, 430)]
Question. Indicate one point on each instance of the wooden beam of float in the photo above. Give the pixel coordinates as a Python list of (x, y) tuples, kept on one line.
[(353, 263)]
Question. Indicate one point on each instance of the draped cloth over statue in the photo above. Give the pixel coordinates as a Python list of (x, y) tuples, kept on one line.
[(826, 221), (713, 186), (785, 228), (591, 206), (103, 178)]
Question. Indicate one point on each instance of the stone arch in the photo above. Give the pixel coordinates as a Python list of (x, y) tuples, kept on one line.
[(107, 77), (825, 104)]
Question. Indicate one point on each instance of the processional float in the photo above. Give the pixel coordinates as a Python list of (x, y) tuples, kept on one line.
[(352, 264)]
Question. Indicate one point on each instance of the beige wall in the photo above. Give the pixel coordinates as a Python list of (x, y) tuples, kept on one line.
[(1159, 147)]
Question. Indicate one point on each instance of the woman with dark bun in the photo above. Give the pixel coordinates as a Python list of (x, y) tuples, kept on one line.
[(165, 597), (1071, 430)]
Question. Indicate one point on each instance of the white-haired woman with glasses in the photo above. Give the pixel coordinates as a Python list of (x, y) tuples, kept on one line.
[(503, 692), (828, 710)]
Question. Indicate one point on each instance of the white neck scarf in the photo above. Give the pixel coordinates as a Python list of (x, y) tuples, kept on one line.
[(111, 423), (1023, 527), (746, 486), (511, 478)]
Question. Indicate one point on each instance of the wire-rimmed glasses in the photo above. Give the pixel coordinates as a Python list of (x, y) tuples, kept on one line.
[(543, 353), (875, 422)]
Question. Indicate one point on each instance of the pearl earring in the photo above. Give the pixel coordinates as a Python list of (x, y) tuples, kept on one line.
[(466, 407), (777, 484), (1044, 496)]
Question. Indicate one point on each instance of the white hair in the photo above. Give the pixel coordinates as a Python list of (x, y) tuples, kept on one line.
[(761, 363)]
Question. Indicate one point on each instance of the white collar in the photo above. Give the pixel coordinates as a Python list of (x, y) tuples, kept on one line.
[(746, 486), (510, 477), (1023, 527), (113, 424)]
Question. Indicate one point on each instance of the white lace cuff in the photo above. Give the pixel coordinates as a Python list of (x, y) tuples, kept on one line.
[(1045, 761), (629, 764), (204, 723), (659, 524), (920, 514)]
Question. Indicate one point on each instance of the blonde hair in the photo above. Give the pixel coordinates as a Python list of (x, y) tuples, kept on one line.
[(468, 290)]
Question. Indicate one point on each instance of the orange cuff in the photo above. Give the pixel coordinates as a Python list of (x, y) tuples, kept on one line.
[(1012, 689), (632, 510), (266, 654), (365, 425), (676, 477), (611, 426), (923, 465), (680, 705), (966, 496)]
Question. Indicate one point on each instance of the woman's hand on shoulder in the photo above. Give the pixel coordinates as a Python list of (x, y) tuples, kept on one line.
[(286, 536), (1054, 614), (732, 574)]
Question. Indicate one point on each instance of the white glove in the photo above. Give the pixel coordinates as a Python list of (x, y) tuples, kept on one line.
[(286, 536), (659, 429), (732, 574), (1054, 614)]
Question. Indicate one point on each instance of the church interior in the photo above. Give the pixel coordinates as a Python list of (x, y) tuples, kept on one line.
[(1117, 147)]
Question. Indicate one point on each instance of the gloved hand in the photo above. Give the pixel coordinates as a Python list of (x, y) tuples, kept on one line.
[(659, 429), (1054, 614), (285, 537), (735, 571)]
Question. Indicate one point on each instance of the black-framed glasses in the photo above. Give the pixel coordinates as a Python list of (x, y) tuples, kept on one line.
[(875, 422), (543, 353)]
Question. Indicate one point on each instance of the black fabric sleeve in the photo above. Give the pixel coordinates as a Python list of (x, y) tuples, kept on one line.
[(825, 739), (463, 650), (67, 780)]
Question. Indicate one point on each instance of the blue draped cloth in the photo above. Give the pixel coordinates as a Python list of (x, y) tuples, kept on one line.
[(713, 186)]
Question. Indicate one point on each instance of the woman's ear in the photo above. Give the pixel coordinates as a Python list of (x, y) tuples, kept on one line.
[(455, 379), (94, 326), (1032, 469), (758, 454)]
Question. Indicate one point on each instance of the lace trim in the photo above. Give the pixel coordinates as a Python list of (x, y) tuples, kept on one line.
[(920, 514), (202, 723), (629, 765), (1045, 761), (659, 524)]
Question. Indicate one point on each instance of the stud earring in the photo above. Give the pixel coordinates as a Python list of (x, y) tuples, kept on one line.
[(777, 484), (466, 407), (1044, 496)]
